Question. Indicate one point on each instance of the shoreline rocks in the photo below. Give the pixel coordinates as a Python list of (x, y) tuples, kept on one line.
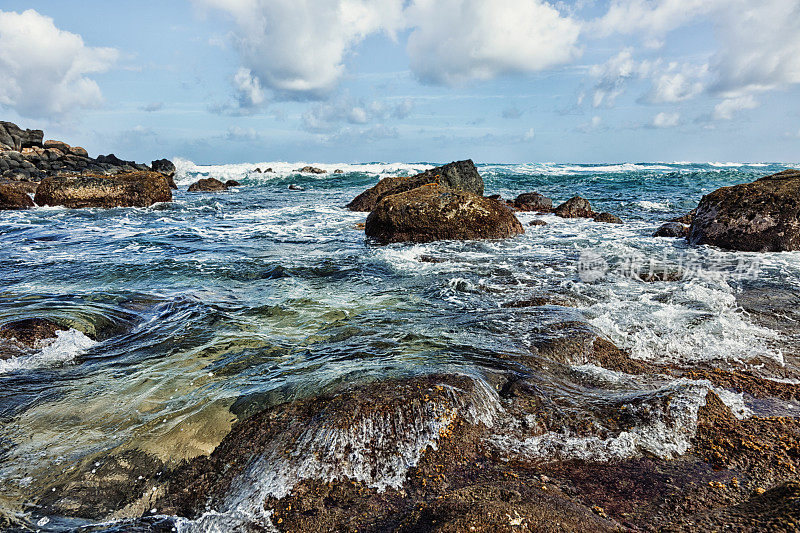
[(14, 196), (29, 332), (533, 201), (208, 185), (434, 212), (672, 229), (311, 170), (134, 189), (762, 216)]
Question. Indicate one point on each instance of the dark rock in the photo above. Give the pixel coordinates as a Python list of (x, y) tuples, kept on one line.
[(79, 151), (433, 212), (257, 170), (533, 201), (113, 160), (29, 332), (269, 171), (575, 207), (687, 218), (495, 197), (763, 216), (165, 166), (63, 147), (672, 229), (459, 175), (232, 183), (608, 218), (660, 274), (14, 196), (136, 189), (16, 138), (312, 170), (338, 171), (294, 187), (537, 223), (207, 185)]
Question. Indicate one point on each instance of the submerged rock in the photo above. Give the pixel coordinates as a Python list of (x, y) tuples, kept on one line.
[(207, 185), (608, 218), (295, 187), (533, 201), (763, 216), (672, 229), (134, 189), (338, 171), (312, 170), (13, 195), (433, 213), (575, 207), (459, 175), (537, 222), (29, 332)]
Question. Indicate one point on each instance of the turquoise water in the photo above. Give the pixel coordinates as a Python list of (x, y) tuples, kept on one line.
[(179, 310)]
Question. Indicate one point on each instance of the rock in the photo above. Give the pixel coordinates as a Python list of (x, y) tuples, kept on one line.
[(575, 207), (338, 171), (164, 166), (16, 138), (63, 147), (232, 183), (537, 223), (14, 196), (533, 201), (294, 187), (608, 218), (687, 218), (312, 170), (79, 151), (269, 171), (434, 212), (134, 189), (459, 175), (207, 185), (763, 216), (672, 229), (29, 332), (257, 170)]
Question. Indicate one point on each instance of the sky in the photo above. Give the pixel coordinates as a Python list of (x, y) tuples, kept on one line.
[(498, 81)]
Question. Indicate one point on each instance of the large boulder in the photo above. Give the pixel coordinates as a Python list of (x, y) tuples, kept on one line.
[(13, 195), (672, 229), (459, 175), (132, 189), (533, 201), (575, 207), (207, 185), (763, 216), (434, 212), (165, 166)]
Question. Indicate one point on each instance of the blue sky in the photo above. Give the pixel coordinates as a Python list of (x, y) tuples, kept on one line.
[(218, 81)]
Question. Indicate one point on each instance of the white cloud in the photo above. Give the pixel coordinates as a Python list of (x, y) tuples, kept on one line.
[(456, 41), (729, 107), (666, 120), (331, 116), (614, 74), (43, 70), (529, 135), (654, 18), (298, 47), (248, 89), (239, 134), (678, 83)]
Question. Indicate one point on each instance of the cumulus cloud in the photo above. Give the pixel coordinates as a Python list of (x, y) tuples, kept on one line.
[(666, 120), (329, 117), (729, 107), (614, 74), (44, 70), (652, 17), (678, 83), (297, 48), (455, 41), (248, 88)]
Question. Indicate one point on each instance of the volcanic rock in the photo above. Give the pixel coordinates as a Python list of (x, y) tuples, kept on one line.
[(533, 201), (207, 185), (232, 183), (672, 229), (537, 222), (575, 207), (608, 218), (14, 196), (459, 175), (134, 189), (763, 216), (312, 170), (29, 332), (433, 213)]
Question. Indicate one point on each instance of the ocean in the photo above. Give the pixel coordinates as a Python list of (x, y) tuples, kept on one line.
[(180, 311)]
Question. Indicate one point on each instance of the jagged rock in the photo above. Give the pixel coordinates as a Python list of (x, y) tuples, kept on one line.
[(672, 229), (207, 185), (575, 207), (17, 139), (165, 166), (232, 183), (434, 212), (763, 216), (459, 175), (257, 170), (269, 171), (294, 187), (533, 201), (312, 170), (608, 218), (135, 189), (13, 195), (29, 332)]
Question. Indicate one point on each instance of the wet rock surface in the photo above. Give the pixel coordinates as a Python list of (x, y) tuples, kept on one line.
[(433, 212), (208, 185), (763, 216), (29, 332), (608, 218), (459, 175), (533, 201), (14, 195), (575, 207), (134, 189), (672, 229)]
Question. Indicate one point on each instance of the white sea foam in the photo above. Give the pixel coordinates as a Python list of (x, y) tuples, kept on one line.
[(654, 206), (66, 346)]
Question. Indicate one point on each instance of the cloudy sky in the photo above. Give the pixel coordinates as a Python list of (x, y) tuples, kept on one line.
[(219, 81)]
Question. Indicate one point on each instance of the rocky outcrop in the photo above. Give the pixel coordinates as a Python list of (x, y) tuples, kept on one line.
[(232, 183), (166, 167), (12, 137), (434, 212), (134, 189), (312, 170), (338, 171), (459, 175), (672, 229), (208, 185), (763, 216), (575, 207), (13, 195), (533, 201), (29, 332)]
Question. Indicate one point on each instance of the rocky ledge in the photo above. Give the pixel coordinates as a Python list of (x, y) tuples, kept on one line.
[(763, 216), (132, 189)]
